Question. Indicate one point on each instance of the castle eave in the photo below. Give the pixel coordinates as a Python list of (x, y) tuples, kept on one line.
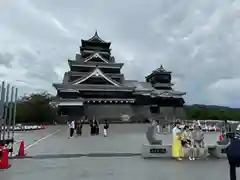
[(70, 103), (167, 94), (67, 102), (99, 64), (109, 100), (91, 87)]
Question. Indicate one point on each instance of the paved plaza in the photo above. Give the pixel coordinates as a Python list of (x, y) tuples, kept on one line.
[(122, 139), (127, 138), (122, 168)]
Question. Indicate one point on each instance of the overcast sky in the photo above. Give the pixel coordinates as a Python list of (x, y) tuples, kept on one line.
[(198, 40)]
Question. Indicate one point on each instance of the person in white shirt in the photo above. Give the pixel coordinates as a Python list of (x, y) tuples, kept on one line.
[(105, 128), (71, 128), (158, 127)]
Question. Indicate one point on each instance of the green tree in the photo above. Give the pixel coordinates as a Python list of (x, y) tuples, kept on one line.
[(203, 112), (35, 108)]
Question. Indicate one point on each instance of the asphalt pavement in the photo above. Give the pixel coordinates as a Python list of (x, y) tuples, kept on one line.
[(124, 138), (115, 168), (53, 142)]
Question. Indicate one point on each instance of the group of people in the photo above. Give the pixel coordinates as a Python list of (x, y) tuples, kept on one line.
[(94, 127), (76, 126), (194, 140)]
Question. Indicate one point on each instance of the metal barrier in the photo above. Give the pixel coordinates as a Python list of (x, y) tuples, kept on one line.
[(8, 106)]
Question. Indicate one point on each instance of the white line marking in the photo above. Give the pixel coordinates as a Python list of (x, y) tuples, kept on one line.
[(33, 144)]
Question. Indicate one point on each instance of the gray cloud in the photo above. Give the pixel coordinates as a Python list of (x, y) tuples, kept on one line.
[(6, 59), (197, 40)]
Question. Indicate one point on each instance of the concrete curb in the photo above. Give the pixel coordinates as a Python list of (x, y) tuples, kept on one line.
[(51, 156), (60, 156)]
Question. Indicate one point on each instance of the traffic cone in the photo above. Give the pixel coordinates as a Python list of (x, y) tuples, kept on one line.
[(21, 149), (4, 161)]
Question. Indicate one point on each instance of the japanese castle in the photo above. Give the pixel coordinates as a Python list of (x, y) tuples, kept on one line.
[(95, 87)]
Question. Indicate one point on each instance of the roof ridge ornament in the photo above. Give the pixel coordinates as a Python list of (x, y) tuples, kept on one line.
[(161, 69), (96, 38)]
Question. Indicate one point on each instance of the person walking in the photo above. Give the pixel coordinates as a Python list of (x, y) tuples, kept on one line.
[(177, 149), (96, 125), (105, 128), (92, 128), (79, 127), (158, 127), (71, 128), (164, 129)]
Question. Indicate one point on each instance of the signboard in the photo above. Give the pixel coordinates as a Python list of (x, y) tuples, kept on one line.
[(158, 150)]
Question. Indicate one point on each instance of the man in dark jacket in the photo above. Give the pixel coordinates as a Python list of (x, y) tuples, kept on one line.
[(96, 124), (233, 155)]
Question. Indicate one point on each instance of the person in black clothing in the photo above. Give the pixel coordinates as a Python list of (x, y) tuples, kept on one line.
[(105, 128), (233, 155), (92, 128), (96, 127)]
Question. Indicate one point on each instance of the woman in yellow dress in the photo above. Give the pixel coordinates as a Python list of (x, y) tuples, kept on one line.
[(177, 149)]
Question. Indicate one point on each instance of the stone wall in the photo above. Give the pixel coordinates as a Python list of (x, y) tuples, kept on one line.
[(111, 111), (136, 113), (142, 110), (167, 112)]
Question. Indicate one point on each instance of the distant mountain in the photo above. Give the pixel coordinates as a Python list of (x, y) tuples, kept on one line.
[(209, 106)]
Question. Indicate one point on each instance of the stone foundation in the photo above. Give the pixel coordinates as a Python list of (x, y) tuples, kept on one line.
[(136, 113), (165, 151), (113, 112)]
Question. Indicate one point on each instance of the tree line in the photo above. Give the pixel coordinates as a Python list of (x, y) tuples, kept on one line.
[(204, 112), (35, 108)]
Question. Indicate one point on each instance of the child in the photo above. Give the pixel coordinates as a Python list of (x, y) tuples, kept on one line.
[(188, 142), (223, 140), (221, 136), (198, 139)]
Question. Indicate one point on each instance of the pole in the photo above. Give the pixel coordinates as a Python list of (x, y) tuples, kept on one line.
[(5, 112), (2, 108), (10, 115), (15, 111)]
